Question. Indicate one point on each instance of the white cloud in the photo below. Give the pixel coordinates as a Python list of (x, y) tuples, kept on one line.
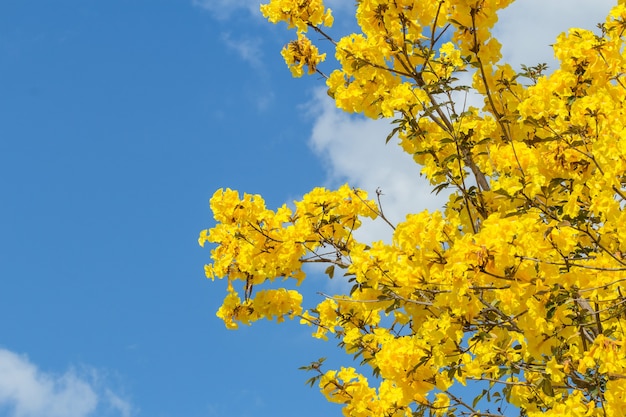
[(123, 407), (223, 9), (340, 5), (250, 50), (527, 28), (26, 391), (247, 48), (354, 151), (264, 100)]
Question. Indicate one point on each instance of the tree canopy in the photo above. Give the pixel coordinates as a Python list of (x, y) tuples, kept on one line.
[(517, 281)]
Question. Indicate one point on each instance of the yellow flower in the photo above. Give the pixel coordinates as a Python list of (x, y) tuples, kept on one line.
[(301, 53), (441, 404)]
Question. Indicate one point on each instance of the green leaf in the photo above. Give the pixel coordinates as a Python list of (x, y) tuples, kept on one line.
[(478, 398), (546, 387), (451, 372), (392, 134), (354, 288), (312, 381), (392, 307), (330, 271), (450, 158), (440, 188)]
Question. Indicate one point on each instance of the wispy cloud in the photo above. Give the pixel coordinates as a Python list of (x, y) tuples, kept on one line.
[(224, 9), (342, 6), (264, 100), (248, 49), (123, 407), (527, 28), (353, 150), (26, 391)]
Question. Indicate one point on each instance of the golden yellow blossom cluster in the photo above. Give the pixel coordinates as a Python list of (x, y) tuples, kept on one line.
[(517, 281), (301, 14), (257, 245)]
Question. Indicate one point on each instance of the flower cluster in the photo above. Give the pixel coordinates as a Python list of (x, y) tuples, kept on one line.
[(518, 280)]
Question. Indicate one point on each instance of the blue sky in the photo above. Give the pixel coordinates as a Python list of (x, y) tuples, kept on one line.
[(118, 121)]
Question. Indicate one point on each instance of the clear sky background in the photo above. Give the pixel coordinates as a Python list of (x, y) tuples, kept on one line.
[(118, 121)]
